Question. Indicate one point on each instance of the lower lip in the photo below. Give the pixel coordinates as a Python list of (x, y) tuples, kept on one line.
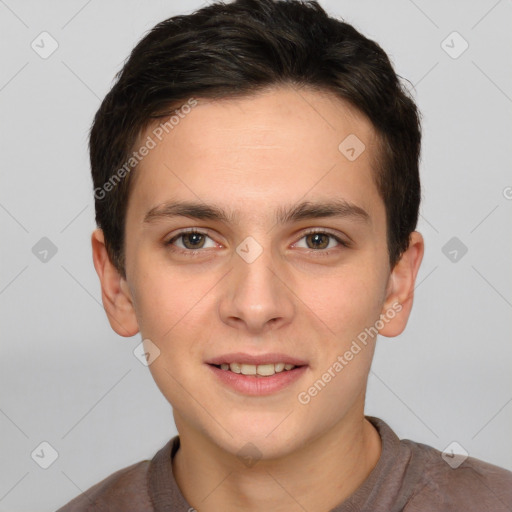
[(258, 386)]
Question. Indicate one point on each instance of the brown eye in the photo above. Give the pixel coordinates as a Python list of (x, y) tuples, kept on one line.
[(190, 241), (321, 242), (193, 240), (317, 240)]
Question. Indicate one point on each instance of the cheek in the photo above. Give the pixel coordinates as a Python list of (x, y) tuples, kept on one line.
[(338, 381), (164, 297), (170, 309), (173, 308), (345, 302)]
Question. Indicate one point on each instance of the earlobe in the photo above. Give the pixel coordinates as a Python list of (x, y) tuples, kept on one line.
[(400, 290), (115, 294)]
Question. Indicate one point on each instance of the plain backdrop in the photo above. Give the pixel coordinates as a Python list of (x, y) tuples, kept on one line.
[(68, 380)]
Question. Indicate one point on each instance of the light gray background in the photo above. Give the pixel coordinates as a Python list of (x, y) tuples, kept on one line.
[(68, 379)]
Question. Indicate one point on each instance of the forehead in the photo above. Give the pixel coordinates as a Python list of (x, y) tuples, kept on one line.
[(274, 147)]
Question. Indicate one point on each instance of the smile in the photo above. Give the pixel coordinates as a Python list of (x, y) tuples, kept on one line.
[(261, 370), (257, 380)]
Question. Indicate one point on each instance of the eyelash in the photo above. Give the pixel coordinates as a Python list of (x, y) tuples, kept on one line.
[(193, 252)]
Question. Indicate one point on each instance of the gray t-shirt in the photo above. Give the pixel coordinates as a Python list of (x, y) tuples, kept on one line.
[(409, 476)]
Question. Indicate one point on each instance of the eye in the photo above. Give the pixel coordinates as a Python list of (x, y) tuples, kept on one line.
[(191, 240), (320, 240)]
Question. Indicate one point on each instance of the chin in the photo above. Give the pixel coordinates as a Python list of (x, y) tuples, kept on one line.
[(267, 437)]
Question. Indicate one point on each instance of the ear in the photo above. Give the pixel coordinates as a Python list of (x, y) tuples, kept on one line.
[(115, 294), (400, 290)]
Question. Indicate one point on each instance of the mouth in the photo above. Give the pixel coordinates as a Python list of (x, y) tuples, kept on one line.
[(257, 375), (260, 370)]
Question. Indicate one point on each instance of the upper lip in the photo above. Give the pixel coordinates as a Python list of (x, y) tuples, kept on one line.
[(242, 358)]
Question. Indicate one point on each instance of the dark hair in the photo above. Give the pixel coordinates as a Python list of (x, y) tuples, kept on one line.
[(240, 48)]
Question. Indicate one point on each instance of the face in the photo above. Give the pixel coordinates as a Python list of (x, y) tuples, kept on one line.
[(251, 237)]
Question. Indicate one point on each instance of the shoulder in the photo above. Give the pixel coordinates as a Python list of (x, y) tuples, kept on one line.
[(124, 490), (451, 482)]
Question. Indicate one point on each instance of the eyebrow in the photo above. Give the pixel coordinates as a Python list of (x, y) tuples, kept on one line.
[(305, 210)]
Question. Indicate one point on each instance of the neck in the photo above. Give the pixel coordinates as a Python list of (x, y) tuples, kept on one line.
[(318, 477)]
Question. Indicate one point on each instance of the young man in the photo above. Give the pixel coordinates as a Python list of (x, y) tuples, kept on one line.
[(257, 190)]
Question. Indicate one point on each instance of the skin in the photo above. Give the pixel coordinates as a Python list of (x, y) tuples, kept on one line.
[(252, 156)]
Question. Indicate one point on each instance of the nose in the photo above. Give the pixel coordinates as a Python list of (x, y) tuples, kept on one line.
[(256, 298)]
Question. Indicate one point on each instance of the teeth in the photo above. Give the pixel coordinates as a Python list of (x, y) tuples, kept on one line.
[(248, 369), (262, 370), (265, 369), (234, 367)]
